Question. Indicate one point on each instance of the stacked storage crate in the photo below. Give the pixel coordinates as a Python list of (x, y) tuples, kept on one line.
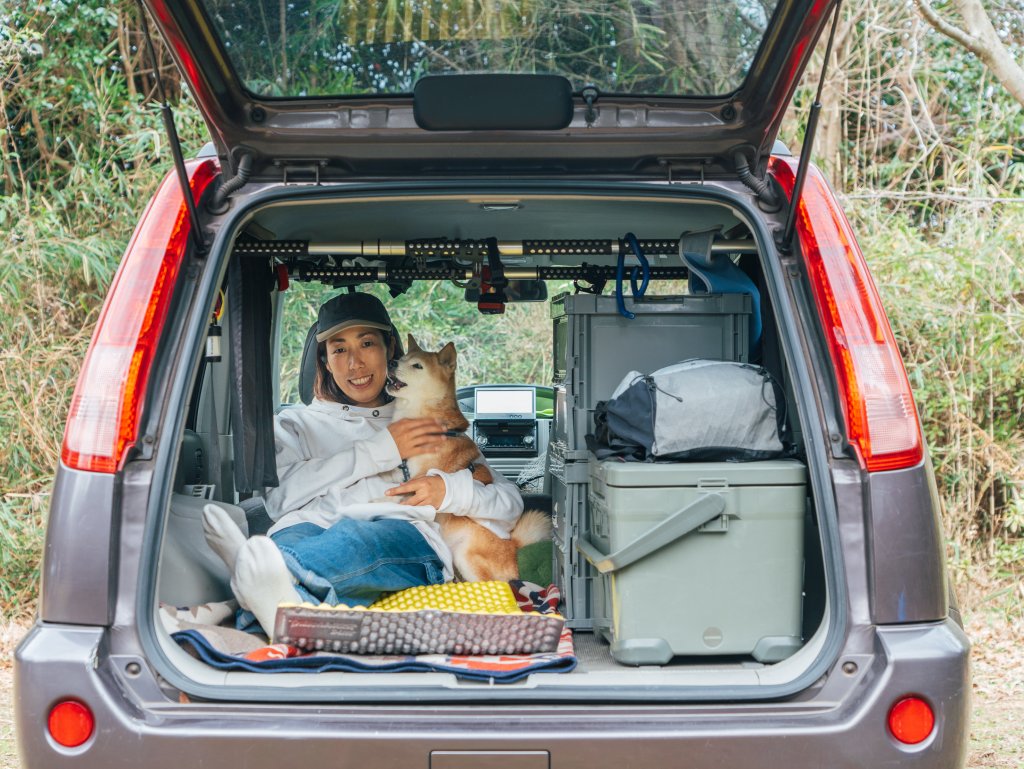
[(594, 348)]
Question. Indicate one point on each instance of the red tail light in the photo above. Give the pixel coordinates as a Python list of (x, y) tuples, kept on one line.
[(878, 407), (911, 720), (105, 409), (70, 723)]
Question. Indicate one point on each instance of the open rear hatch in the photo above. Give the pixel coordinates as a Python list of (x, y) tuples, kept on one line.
[(318, 92)]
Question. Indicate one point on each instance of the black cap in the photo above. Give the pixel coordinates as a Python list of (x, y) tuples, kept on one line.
[(347, 310)]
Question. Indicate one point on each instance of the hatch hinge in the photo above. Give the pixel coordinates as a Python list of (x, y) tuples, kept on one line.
[(301, 170), (674, 167), (590, 95)]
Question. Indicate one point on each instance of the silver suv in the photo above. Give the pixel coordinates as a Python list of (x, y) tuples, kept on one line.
[(804, 621)]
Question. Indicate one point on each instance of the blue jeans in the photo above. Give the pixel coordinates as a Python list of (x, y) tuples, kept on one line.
[(354, 562)]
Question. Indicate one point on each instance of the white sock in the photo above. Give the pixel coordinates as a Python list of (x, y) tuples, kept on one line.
[(261, 581), (222, 534)]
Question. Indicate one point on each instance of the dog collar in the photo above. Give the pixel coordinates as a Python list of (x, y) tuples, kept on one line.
[(404, 467)]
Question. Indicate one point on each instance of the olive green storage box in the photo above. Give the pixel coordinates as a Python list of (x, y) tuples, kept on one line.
[(701, 558)]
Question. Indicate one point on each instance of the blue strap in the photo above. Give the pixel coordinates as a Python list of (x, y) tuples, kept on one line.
[(643, 269)]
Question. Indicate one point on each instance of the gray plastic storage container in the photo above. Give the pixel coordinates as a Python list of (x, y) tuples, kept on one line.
[(595, 347), (702, 558), (570, 570)]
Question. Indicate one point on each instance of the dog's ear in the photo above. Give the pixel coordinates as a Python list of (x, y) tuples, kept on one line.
[(446, 355), (413, 347)]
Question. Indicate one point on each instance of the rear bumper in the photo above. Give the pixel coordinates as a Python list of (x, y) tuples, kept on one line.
[(136, 726)]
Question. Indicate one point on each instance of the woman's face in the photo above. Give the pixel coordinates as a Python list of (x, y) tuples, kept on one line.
[(358, 360)]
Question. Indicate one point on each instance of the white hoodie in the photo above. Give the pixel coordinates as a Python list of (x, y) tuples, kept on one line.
[(330, 458)]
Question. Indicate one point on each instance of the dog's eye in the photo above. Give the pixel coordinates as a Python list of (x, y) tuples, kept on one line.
[(417, 365)]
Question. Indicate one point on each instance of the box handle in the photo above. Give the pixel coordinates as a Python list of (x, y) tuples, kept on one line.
[(677, 525)]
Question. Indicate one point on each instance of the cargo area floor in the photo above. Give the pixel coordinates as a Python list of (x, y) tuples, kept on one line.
[(594, 656)]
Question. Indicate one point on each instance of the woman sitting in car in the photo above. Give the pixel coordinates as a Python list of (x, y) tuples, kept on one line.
[(330, 542)]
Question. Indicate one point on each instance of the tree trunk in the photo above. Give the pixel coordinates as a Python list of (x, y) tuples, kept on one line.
[(981, 39)]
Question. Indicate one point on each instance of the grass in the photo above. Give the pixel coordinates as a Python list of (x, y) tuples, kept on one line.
[(22, 520), (955, 297)]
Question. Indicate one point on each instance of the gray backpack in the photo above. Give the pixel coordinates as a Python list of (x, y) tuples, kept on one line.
[(698, 410)]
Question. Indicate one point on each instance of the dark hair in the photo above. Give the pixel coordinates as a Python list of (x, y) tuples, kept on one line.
[(324, 386)]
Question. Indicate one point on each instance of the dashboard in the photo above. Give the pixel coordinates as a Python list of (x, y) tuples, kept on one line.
[(511, 423)]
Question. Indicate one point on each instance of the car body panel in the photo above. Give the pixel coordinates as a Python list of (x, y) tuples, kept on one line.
[(135, 727), (83, 520), (907, 570)]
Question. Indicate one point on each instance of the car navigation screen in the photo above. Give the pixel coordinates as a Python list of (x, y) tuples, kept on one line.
[(505, 403)]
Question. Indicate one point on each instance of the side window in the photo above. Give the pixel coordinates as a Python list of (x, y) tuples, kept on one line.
[(298, 307), (510, 348)]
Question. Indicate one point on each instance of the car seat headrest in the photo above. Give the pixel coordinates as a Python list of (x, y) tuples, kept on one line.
[(307, 366), (192, 462)]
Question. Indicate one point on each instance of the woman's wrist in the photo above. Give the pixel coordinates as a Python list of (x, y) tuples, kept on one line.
[(458, 491)]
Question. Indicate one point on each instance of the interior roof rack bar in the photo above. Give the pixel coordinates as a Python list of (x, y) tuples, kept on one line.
[(805, 151), (328, 274), (465, 249)]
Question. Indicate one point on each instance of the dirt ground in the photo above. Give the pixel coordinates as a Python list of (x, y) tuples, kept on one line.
[(997, 658), (997, 738)]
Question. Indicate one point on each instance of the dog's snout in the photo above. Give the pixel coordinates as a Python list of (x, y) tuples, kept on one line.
[(392, 364)]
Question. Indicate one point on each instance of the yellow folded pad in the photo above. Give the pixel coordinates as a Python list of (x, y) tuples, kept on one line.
[(468, 597)]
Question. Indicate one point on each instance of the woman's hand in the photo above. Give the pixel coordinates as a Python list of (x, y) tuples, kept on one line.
[(425, 490), (416, 436)]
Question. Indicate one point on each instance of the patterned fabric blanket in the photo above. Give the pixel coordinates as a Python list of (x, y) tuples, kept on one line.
[(207, 633)]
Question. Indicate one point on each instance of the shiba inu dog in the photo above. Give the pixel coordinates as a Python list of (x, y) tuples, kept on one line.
[(423, 385)]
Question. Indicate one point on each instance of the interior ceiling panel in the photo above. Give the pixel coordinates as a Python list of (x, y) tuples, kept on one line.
[(497, 216)]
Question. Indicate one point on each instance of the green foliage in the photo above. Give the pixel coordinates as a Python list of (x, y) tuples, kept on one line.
[(22, 521), (911, 116), (514, 347), (956, 302), (83, 151), (632, 46)]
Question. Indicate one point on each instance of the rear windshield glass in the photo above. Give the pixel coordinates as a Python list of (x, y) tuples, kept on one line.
[(308, 48)]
